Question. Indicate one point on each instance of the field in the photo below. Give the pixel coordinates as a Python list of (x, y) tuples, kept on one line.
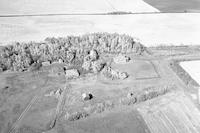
[(122, 120), (70, 7), (167, 27), (104, 6), (25, 106), (139, 69), (155, 96), (192, 67), (172, 113), (175, 5), (160, 99), (17, 96), (142, 26)]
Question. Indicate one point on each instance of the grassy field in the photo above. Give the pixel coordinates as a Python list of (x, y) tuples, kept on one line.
[(122, 120), (19, 99), (139, 69), (159, 100), (26, 108)]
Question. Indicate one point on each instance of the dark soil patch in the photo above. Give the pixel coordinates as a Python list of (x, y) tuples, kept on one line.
[(175, 5)]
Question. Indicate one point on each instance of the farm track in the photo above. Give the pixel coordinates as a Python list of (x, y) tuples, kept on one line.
[(181, 114), (170, 75), (60, 106), (160, 66), (33, 101), (185, 57)]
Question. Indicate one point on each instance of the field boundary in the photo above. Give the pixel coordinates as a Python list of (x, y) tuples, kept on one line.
[(182, 74), (155, 70), (92, 14)]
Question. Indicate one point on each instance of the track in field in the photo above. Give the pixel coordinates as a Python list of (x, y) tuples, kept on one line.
[(33, 101)]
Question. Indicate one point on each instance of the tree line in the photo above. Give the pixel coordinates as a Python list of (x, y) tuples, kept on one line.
[(71, 49)]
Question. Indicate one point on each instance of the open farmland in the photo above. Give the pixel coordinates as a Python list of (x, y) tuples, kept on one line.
[(139, 69), (151, 29), (36, 116), (99, 66), (172, 113), (192, 68), (30, 102), (70, 7), (175, 5)]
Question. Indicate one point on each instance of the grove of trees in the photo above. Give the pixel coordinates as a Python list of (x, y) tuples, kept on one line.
[(71, 49)]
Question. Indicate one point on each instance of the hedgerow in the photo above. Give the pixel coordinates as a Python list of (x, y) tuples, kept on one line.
[(71, 49)]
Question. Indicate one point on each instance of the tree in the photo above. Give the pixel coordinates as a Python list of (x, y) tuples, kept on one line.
[(71, 49)]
